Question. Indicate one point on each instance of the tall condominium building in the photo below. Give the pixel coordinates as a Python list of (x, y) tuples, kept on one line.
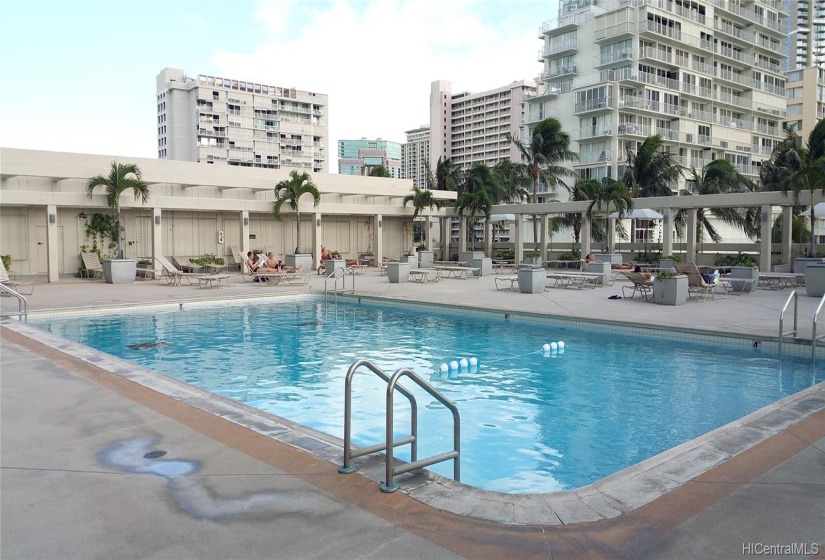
[(473, 127), (706, 75), (806, 33), (227, 121), (358, 157), (415, 155)]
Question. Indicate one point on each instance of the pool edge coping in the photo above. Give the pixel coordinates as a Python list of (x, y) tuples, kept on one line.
[(608, 498)]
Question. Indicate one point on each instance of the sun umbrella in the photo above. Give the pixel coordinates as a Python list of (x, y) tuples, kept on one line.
[(819, 211), (639, 213), (502, 218)]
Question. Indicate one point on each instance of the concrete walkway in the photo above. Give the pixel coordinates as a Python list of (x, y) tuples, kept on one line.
[(76, 483)]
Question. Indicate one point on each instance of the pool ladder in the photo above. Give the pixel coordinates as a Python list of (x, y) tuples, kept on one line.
[(389, 484), (22, 312), (338, 274), (782, 333)]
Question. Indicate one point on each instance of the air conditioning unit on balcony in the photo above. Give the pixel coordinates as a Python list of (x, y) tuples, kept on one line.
[(723, 144)]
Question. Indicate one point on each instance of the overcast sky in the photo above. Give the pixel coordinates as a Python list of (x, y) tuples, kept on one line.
[(80, 76)]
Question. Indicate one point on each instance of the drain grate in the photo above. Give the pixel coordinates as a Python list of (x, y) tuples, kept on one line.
[(154, 454)]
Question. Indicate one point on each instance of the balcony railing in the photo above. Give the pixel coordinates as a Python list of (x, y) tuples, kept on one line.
[(614, 30), (592, 105)]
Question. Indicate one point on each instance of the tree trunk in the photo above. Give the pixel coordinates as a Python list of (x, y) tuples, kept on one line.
[(119, 239), (298, 233), (813, 225)]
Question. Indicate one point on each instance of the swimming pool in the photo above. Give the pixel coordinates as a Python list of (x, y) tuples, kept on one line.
[(530, 422)]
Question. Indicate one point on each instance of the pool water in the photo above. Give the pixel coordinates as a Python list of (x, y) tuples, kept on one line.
[(531, 421)]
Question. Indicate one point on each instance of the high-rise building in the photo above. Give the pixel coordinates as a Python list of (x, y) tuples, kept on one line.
[(473, 127), (806, 98), (705, 75), (415, 155), (806, 33), (228, 121), (358, 157)]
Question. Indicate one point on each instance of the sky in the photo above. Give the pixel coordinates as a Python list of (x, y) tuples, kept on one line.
[(79, 76)]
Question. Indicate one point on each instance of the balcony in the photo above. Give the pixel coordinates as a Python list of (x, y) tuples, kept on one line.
[(558, 49), (592, 105), (558, 72), (588, 133), (660, 30), (615, 59), (626, 29), (649, 53), (633, 129), (561, 25), (735, 100), (604, 156)]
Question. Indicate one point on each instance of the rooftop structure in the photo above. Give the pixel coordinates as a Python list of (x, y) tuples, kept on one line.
[(358, 157)]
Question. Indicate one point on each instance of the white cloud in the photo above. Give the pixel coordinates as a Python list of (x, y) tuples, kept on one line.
[(376, 59)]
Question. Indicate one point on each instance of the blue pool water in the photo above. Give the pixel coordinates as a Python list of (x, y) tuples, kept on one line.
[(530, 422)]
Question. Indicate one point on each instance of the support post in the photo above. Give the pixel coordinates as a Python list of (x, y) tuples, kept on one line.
[(765, 241), (51, 243)]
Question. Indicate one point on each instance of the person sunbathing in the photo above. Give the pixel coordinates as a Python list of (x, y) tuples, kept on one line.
[(268, 264)]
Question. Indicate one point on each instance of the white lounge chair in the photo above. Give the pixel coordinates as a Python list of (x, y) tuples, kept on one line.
[(173, 276), (14, 284), (185, 265), (92, 267)]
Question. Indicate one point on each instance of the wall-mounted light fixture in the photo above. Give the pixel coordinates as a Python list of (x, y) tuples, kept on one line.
[(157, 220), (379, 223), (52, 218), (318, 222), (666, 218), (764, 217), (246, 221), (82, 215)]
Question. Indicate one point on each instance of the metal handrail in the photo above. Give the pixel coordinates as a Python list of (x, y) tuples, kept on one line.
[(814, 338), (795, 297), (22, 305), (389, 485), (335, 276), (349, 454)]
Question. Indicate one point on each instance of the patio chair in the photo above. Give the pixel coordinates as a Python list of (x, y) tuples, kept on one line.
[(641, 284), (698, 286), (91, 265), (173, 276), (185, 265), (237, 257), (14, 284)]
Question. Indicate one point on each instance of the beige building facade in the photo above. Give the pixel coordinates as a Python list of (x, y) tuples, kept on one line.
[(194, 209)]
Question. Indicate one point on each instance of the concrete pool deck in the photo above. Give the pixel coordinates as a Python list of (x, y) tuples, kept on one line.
[(75, 487)]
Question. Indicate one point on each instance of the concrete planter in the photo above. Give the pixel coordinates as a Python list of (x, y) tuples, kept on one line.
[(666, 263), (751, 272), (484, 266), (801, 263), (610, 258), (532, 280), (425, 259), (333, 264), (783, 268), (670, 291), (470, 256), (398, 272), (411, 260), (532, 260), (603, 267), (119, 271), (815, 280), (303, 260)]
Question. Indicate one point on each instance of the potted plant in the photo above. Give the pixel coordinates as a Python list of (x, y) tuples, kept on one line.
[(121, 177), (421, 199), (815, 279), (532, 257), (670, 288), (668, 260), (741, 266), (290, 191)]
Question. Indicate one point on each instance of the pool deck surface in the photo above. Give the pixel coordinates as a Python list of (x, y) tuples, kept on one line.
[(75, 427)]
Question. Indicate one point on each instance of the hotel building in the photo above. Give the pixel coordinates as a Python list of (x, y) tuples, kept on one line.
[(358, 157), (220, 120)]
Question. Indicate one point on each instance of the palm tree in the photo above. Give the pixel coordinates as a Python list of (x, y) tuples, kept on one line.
[(290, 191), (717, 177), (121, 177), (479, 191), (547, 148), (798, 168), (378, 171), (421, 199), (602, 194), (650, 171), (447, 176), (513, 180)]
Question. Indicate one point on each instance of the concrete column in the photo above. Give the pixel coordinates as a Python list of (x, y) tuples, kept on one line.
[(51, 243), (244, 240), (543, 234), (445, 238), (690, 257), (787, 234), (488, 239), (667, 231), (462, 234), (157, 238), (518, 238), (611, 235), (316, 239), (378, 238), (586, 235), (765, 240)]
